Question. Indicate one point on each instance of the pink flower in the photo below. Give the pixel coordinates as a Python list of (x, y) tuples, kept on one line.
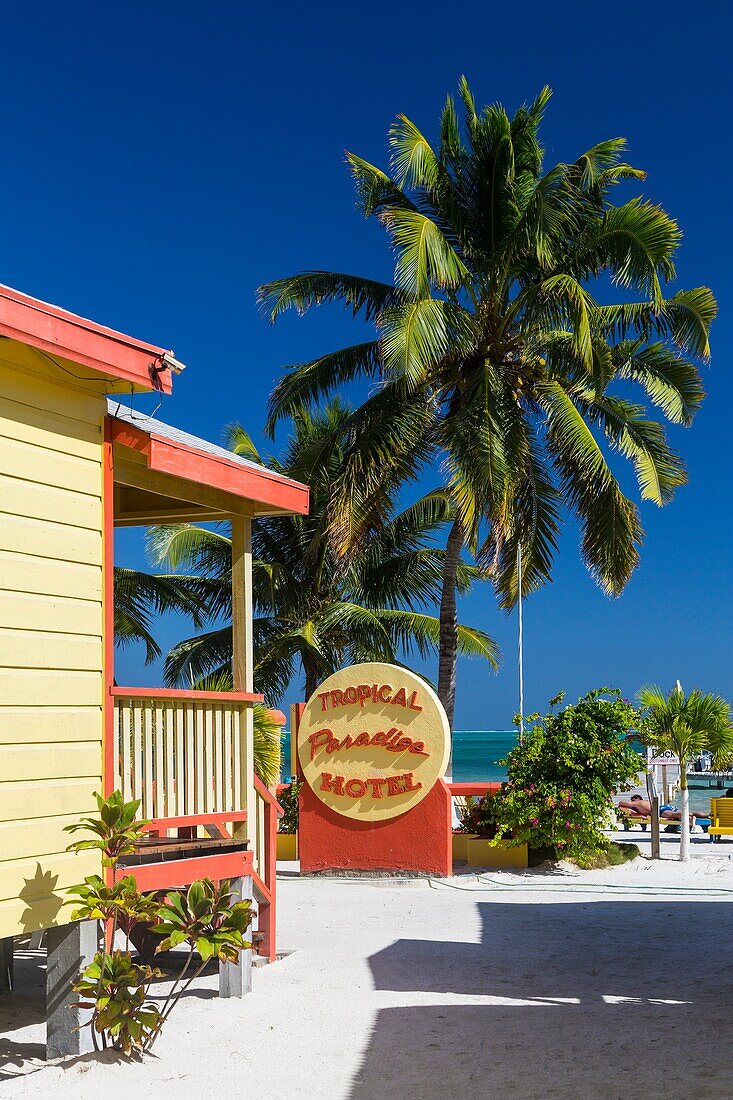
[(535, 821), (568, 825)]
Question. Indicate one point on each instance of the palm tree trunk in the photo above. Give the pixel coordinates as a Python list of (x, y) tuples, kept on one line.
[(448, 651), (685, 809), (312, 679)]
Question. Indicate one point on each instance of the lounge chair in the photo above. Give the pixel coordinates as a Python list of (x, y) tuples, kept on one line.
[(721, 816)]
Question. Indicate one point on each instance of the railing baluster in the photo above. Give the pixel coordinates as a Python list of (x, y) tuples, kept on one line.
[(228, 792), (190, 759), (170, 775), (124, 725), (180, 761), (199, 760), (208, 768), (147, 750), (218, 715), (237, 759), (159, 761)]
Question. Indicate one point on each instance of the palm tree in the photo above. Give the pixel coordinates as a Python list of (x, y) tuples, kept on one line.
[(687, 725), (314, 610), (495, 347)]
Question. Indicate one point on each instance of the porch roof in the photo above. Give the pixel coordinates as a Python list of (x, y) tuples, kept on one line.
[(170, 451)]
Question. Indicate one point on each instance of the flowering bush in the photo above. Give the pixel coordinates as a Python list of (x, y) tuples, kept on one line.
[(560, 780), (479, 816)]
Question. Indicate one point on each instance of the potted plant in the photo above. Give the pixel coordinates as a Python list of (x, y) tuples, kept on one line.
[(481, 842), (287, 835)]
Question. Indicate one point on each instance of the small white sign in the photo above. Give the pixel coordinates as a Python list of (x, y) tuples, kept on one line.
[(664, 756)]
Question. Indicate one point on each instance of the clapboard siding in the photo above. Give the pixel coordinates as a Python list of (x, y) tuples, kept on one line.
[(59, 614), (43, 465), (51, 631), (60, 797), (42, 428), (61, 759), (63, 546), (19, 725), (48, 502), (38, 687), (43, 649)]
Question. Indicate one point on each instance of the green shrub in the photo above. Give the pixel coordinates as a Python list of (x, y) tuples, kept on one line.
[(288, 799), (561, 778)]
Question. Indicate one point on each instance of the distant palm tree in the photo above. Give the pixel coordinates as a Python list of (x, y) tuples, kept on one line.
[(315, 611), (493, 348), (687, 725), (139, 596)]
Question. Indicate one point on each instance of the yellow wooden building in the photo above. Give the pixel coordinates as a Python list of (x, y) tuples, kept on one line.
[(72, 467)]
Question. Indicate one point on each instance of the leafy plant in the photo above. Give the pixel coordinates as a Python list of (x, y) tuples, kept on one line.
[(116, 831), (289, 800), (116, 989), (211, 923), (561, 778), (205, 917), (687, 725)]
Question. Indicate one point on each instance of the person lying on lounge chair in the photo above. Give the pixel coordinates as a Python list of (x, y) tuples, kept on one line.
[(642, 807), (636, 806)]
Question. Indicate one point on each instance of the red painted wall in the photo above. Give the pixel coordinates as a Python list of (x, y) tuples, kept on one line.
[(419, 841)]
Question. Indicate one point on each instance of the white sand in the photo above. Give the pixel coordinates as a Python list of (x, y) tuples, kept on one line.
[(527, 985)]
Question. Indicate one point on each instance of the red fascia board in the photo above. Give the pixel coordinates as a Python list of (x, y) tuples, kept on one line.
[(57, 332), (182, 872), (171, 457)]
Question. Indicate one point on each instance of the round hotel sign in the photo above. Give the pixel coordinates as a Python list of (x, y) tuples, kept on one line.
[(372, 741)]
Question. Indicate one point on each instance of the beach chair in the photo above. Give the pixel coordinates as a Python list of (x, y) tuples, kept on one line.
[(628, 822), (721, 816)]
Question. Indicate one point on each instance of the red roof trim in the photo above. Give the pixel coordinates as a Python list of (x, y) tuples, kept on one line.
[(55, 331), (247, 482)]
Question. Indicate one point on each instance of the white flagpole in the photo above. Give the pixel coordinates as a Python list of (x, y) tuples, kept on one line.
[(520, 654)]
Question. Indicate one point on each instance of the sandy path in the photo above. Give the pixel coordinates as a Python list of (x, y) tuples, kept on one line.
[(530, 989)]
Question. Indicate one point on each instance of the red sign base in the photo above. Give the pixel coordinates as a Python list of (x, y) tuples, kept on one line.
[(416, 842)]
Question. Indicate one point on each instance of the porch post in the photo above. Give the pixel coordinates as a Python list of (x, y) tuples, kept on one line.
[(242, 645), (235, 979)]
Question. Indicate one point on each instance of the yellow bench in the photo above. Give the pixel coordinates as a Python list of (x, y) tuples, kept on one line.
[(721, 818)]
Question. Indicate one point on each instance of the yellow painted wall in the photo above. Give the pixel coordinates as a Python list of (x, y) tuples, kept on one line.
[(51, 616)]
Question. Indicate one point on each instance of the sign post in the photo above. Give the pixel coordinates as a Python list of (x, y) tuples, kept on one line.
[(373, 746)]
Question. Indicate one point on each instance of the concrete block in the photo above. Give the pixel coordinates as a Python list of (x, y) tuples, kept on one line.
[(70, 948)]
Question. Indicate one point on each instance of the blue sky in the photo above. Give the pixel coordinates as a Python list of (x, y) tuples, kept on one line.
[(161, 160)]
